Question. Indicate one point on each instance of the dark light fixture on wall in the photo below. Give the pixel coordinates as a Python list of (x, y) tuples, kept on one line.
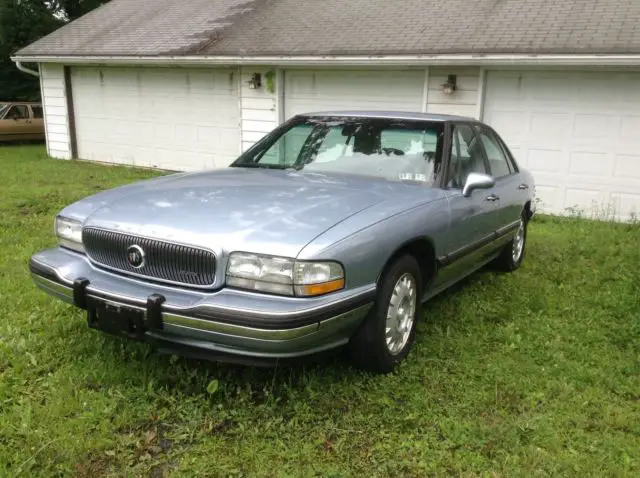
[(451, 85), (255, 81)]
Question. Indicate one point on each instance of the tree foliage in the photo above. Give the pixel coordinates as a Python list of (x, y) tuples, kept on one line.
[(23, 22), (72, 9)]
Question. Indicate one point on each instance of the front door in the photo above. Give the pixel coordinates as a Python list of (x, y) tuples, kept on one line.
[(473, 219)]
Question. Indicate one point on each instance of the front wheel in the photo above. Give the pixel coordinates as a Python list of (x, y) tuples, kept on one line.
[(512, 255), (387, 334)]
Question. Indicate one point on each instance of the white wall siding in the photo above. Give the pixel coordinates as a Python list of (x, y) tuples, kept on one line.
[(464, 101), (259, 107), (54, 102)]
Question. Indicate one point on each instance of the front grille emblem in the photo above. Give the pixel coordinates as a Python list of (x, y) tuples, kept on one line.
[(135, 256), (154, 259)]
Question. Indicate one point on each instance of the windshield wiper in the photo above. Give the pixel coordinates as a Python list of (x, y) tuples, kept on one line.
[(260, 166)]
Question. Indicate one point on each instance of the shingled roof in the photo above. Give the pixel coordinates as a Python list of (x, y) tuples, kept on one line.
[(352, 27)]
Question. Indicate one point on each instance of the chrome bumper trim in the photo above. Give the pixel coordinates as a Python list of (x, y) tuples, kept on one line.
[(262, 334), (53, 287), (194, 323)]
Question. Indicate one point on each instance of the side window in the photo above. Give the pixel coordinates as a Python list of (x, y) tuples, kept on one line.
[(37, 112), (505, 150), (498, 162), (18, 112), (466, 157)]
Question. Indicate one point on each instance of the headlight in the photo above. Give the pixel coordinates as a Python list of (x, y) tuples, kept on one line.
[(69, 232), (279, 275)]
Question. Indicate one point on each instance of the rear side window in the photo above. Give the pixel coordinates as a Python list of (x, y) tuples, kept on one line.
[(37, 111), (498, 162)]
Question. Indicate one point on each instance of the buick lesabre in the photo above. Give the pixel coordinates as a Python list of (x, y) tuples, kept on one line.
[(329, 233)]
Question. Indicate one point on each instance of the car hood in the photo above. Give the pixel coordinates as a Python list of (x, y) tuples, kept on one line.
[(264, 211)]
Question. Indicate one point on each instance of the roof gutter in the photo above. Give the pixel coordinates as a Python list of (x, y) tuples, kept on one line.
[(330, 60), (26, 70)]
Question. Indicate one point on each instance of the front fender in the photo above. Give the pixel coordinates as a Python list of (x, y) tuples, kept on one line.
[(365, 243)]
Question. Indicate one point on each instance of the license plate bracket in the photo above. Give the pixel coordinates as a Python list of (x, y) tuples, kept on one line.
[(116, 319)]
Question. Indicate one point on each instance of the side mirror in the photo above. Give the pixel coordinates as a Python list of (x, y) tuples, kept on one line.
[(477, 181)]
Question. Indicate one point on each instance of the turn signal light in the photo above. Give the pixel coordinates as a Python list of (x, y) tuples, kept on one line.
[(319, 289)]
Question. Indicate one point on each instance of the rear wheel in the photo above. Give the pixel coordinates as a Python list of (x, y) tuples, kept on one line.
[(512, 255), (387, 334)]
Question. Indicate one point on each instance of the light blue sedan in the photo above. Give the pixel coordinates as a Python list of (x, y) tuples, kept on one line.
[(327, 234)]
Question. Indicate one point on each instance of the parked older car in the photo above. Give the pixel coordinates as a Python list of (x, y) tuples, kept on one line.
[(21, 121), (329, 232)]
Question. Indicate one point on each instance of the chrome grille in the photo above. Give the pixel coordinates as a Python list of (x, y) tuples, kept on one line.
[(164, 261)]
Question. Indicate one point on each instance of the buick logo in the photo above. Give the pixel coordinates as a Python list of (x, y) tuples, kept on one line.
[(135, 256)]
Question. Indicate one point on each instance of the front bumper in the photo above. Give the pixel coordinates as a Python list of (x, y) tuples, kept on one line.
[(221, 324)]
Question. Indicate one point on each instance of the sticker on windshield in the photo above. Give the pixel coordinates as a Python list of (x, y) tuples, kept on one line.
[(413, 177)]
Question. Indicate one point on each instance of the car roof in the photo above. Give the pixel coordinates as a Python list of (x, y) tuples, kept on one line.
[(404, 115)]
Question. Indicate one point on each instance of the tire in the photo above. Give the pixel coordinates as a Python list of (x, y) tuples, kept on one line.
[(512, 255), (368, 348)]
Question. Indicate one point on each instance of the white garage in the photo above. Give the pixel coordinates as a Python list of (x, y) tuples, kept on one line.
[(170, 118), (577, 131), (189, 85), (326, 90)]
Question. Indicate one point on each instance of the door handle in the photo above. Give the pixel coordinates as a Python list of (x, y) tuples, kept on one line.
[(523, 186), (492, 198)]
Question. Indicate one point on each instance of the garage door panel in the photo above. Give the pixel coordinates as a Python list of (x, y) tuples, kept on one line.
[(630, 128), (575, 131), (170, 118), (544, 160), (549, 128), (307, 91), (590, 164), (629, 201), (596, 127), (551, 194), (589, 90), (550, 89), (630, 93), (627, 166), (512, 125), (508, 87), (575, 197)]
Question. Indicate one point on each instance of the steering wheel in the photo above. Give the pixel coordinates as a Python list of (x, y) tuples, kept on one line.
[(394, 151)]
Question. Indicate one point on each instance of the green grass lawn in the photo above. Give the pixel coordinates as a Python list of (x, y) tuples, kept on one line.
[(535, 373)]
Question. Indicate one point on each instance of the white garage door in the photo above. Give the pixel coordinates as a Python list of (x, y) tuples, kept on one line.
[(321, 90), (181, 119), (577, 132)]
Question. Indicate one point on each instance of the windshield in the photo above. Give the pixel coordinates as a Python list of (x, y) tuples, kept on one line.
[(3, 108), (392, 149)]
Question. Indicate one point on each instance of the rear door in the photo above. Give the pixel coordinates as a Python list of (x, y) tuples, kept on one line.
[(509, 187), (37, 122), (473, 219)]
